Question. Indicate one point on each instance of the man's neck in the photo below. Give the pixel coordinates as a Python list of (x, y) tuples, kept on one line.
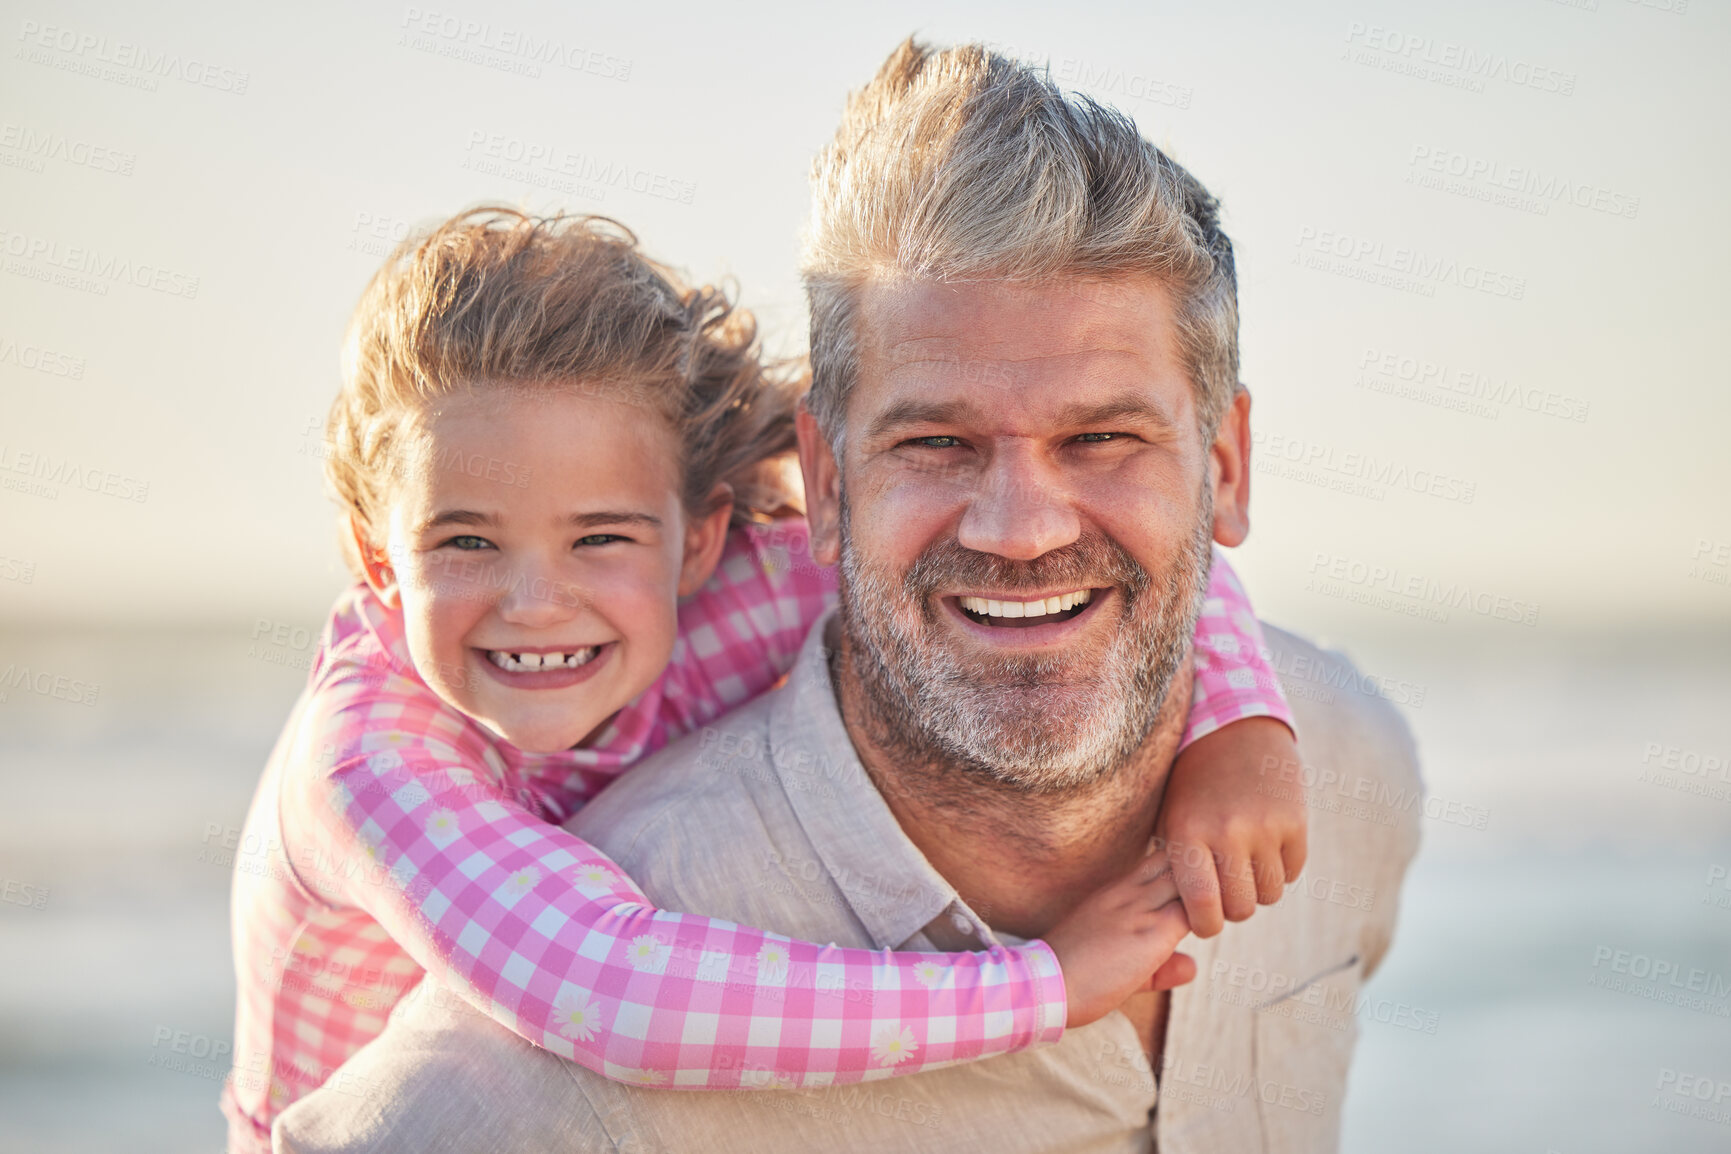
[(1020, 860)]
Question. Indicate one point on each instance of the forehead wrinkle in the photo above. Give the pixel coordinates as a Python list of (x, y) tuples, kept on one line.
[(919, 351)]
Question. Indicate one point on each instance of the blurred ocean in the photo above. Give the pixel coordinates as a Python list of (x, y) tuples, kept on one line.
[(114, 934)]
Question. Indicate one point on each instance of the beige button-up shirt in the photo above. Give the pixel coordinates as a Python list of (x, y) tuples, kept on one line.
[(767, 818)]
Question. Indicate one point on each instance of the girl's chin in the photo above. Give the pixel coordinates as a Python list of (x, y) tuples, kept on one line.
[(561, 730), (542, 740)]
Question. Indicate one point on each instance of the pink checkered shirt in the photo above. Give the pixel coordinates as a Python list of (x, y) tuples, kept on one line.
[(391, 835)]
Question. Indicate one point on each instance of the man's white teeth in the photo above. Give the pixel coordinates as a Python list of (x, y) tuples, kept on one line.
[(536, 662), (989, 608)]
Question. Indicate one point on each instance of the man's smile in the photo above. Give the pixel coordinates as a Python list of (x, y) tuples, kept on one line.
[(1021, 620), (993, 611)]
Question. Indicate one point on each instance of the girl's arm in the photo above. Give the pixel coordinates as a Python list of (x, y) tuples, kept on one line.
[(1236, 835), (543, 933), (1233, 677)]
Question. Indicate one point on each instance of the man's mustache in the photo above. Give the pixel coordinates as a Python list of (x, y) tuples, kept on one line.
[(1092, 561)]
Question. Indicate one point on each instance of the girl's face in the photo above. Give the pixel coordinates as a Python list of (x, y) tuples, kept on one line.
[(536, 545)]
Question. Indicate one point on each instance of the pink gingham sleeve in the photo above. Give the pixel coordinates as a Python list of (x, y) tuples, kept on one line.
[(743, 629), (1233, 677), (545, 934)]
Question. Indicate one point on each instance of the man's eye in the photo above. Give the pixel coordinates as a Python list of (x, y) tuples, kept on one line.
[(468, 542), (601, 539), (1097, 438), (938, 442)]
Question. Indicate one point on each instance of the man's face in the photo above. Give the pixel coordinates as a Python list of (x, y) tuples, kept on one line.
[(1022, 509)]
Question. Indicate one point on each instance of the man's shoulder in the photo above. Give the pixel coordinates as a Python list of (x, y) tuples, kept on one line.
[(1358, 778), (1343, 714), (711, 797)]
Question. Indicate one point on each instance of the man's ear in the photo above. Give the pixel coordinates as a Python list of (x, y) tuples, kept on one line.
[(705, 537), (822, 488), (1229, 469), (374, 562)]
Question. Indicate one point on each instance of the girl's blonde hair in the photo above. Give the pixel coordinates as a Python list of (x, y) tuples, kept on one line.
[(496, 297)]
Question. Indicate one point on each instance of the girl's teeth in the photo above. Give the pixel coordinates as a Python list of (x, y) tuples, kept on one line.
[(989, 608), (536, 662)]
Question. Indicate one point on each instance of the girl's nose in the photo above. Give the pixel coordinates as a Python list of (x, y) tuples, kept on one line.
[(536, 597)]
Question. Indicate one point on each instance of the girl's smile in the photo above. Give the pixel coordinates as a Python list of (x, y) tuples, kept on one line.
[(537, 545)]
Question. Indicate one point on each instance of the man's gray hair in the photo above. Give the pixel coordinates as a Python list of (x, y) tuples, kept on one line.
[(964, 165)]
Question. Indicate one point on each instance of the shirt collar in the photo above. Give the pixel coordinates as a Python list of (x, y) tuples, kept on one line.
[(885, 879)]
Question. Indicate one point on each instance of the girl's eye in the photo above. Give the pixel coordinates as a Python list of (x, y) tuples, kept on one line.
[(600, 539), (468, 542)]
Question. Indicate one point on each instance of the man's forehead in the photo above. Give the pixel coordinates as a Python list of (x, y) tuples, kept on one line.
[(914, 319), (1056, 341)]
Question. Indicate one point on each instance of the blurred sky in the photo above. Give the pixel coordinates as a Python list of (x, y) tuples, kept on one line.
[(1553, 327)]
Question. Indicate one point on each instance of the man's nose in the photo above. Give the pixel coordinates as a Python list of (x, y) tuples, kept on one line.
[(535, 597), (1020, 509)]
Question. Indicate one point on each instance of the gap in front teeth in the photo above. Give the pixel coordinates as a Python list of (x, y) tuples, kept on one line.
[(537, 662), (986, 607)]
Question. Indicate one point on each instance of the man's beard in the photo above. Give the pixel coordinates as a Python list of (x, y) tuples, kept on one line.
[(1039, 724)]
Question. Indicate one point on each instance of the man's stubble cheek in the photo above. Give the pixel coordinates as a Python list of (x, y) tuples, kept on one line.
[(1037, 723)]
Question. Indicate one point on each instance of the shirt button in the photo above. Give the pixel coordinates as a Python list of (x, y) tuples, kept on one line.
[(962, 924)]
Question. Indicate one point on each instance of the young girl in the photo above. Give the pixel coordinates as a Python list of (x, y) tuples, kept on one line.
[(548, 451)]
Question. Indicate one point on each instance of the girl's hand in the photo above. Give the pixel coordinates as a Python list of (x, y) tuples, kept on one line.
[(1120, 940), (1232, 826)]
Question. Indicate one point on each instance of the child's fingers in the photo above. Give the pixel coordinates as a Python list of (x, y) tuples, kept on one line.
[(1271, 878), (1157, 885), (1175, 971), (1237, 887), (1295, 850), (1200, 891)]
